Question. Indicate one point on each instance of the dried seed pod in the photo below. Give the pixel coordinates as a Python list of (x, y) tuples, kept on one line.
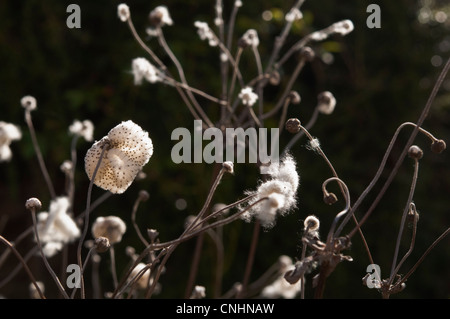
[(330, 198), (295, 97), (415, 152), (438, 146), (293, 125), (307, 53), (101, 244), (33, 203)]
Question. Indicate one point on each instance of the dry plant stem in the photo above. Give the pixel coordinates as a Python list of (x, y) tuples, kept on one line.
[(259, 87), (250, 258), (73, 152), (283, 115), (377, 176), (413, 135), (161, 65), (194, 265), (47, 265), (96, 290), (88, 256), (421, 259), (411, 247), (112, 256), (86, 219), (123, 285), (342, 213), (19, 238), (280, 40), (25, 266), (217, 239), (14, 272), (173, 82), (39, 154), (402, 223), (163, 43), (133, 220)]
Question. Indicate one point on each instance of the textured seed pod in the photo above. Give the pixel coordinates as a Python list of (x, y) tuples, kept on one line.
[(101, 244), (130, 148), (293, 125), (330, 198), (438, 146), (33, 203), (415, 152)]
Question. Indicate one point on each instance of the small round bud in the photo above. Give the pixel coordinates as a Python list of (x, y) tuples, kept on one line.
[(274, 78), (415, 152), (307, 53), (293, 125), (311, 223), (295, 97), (101, 244), (330, 198), (143, 195), (123, 11), (160, 16), (33, 204), (228, 166), (438, 146)]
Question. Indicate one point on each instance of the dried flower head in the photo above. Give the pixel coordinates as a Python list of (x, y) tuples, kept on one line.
[(66, 167), (326, 102), (123, 11), (8, 133), (83, 129), (143, 69), (247, 96), (249, 38), (56, 228), (205, 33), (311, 223), (29, 102), (160, 17), (280, 192), (130, 148), (293, 15), (281, 288), (343, 27), (111, 227)]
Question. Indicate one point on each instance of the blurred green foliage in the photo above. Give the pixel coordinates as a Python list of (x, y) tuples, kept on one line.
[(380, 77)]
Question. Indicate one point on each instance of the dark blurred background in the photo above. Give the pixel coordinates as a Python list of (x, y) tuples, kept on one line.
[(380, 78)]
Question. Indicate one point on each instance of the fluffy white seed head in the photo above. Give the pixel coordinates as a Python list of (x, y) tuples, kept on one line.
[(280, 192), (130, 148), (83, 129), (8, 133), (29, 102), (56, 228), (247, 96), (250, 38), (311, 223), (142, 69), (111, 227), (160, 16), (205, 33), (123, 11)]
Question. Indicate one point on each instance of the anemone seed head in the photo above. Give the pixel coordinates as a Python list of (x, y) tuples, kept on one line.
[(130, 148)]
